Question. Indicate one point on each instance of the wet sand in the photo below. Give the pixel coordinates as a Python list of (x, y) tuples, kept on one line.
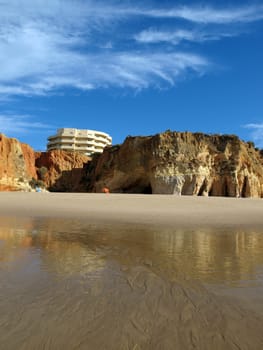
[(96, 271), (160, 210), (66, 284)]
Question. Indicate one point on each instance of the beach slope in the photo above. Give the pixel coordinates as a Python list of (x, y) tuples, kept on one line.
[(183, 211)]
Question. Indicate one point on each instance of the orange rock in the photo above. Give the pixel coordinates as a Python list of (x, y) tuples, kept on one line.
[(65, 170), (17, 164)]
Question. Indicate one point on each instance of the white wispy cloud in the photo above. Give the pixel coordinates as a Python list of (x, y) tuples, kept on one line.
[(95, 12), (256, 133), (47, 45), (175, 37), (21, 124), (205, 14), (46, 62)]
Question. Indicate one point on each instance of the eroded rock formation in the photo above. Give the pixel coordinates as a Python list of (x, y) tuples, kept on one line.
[(17, 164), (64, 170), (167, 163), (57, 170), (180, 163)]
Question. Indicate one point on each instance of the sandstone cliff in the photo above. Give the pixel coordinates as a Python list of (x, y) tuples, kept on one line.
[(17, 164), (180, 163), (64, 170)]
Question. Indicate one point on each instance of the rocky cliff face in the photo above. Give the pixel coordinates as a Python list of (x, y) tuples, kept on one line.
[(58, 170), (17, 164), (180, 163), (64, 170)]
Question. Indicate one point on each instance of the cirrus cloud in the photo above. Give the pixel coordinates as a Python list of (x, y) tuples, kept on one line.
[(177, 36), (207, 14), (46, 46)]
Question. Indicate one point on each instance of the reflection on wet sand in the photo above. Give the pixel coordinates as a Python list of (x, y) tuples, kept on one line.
[(68, 284)]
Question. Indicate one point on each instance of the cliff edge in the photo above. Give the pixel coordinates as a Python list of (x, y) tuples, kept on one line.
[(180, 163), (21, 168), (17, 164), (64, 170)]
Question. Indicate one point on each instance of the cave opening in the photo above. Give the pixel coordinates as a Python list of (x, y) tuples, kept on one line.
[(225, 191), (139, 187), (188, 187), (245, 188), (219, 189), (147, 189), (203, 188)]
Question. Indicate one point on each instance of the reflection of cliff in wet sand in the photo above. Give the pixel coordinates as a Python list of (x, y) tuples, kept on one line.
[(104, 286), (209, 255)]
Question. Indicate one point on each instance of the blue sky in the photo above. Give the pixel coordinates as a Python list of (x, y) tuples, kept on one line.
[(131, 67)]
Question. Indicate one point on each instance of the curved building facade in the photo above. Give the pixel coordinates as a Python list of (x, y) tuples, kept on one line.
[(84, 141)]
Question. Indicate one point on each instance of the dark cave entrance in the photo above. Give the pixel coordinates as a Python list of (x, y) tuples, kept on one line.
[(147, 189), (140, 187), (225, 191), (245, 188), (203, 188), (220, 189)]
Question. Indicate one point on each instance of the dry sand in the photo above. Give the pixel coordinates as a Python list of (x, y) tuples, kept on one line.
[(185, 211)]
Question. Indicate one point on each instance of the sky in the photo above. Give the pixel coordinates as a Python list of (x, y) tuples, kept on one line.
[(131, 67)]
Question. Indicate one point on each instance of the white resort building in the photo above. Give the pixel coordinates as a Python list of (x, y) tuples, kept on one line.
[(85, 141)]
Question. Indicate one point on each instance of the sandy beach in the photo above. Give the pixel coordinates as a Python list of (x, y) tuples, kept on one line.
[(185, 211), (164, 272)]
